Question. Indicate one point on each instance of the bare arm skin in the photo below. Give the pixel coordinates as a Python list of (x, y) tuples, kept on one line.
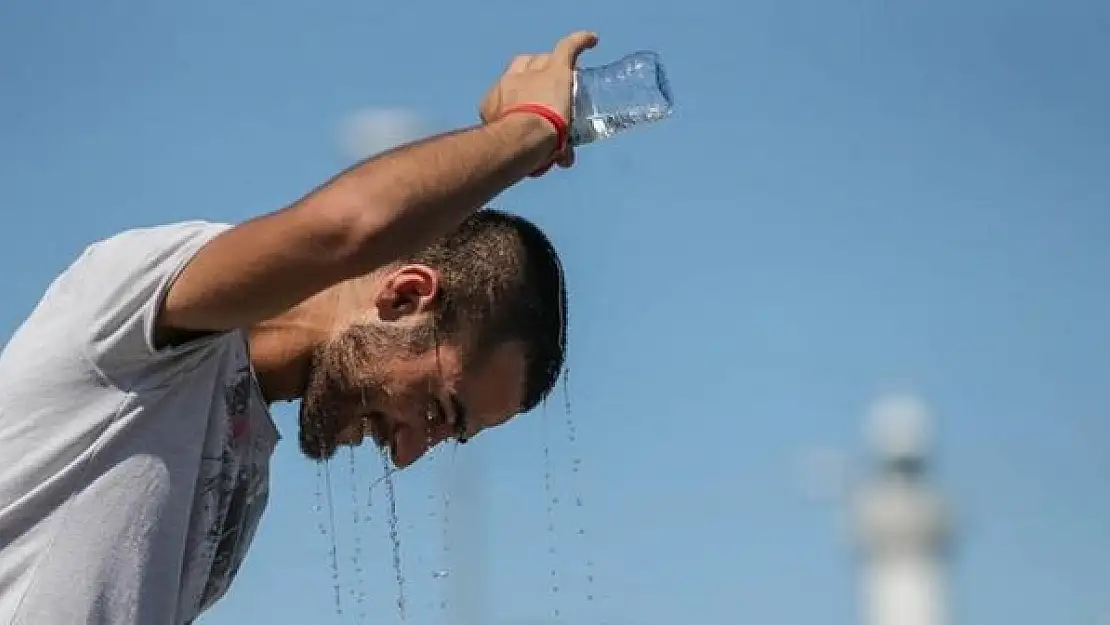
[(376, 212)]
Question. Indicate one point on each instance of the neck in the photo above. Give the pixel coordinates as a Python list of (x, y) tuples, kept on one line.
[(281, 348), (281, 359)]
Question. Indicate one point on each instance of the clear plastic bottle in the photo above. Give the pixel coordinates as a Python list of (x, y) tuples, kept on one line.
[(612, 98)]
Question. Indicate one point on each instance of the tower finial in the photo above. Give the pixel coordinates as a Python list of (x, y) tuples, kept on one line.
[(899, 428)]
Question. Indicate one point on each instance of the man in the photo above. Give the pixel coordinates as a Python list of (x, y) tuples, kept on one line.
[(134, 425)]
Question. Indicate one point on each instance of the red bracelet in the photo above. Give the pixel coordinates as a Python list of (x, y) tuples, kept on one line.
[(555, 118)]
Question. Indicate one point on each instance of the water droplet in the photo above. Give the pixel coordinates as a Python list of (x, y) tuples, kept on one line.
[(324, 495), (393, 533), (356, 557), (576, 463)]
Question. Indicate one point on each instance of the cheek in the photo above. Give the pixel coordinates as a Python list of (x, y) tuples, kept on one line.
[(367, 381), (342, 395), (408, 382)]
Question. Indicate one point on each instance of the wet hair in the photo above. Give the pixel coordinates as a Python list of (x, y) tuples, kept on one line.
[(501, 280)]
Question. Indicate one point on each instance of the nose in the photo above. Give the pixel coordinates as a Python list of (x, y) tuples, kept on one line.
[(411, 443)]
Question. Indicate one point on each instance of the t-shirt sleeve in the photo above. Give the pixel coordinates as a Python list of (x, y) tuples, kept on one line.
[(122, 282)]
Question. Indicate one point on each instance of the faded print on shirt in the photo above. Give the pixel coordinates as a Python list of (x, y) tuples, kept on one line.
[(233, 489)]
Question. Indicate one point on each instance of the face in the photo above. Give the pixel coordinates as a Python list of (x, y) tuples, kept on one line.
[(388, 380)]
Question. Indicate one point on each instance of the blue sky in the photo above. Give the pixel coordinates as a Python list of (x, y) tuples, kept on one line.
[(851, 199)]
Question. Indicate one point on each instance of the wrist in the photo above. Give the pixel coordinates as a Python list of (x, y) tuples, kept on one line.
[(533, 130), (557, 123)]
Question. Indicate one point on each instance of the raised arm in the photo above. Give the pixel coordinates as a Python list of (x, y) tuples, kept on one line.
[(380, 210)]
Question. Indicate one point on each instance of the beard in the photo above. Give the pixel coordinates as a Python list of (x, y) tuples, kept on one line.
[(347, 376)]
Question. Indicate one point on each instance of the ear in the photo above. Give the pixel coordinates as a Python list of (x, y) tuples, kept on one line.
[(408, 290)]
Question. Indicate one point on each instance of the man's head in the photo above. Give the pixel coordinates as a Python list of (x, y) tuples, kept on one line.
[(458, 338)]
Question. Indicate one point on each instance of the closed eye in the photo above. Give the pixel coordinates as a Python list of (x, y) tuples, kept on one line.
[(441, 415), (462, 424)]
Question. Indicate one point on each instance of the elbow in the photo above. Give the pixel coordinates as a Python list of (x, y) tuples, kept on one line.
[(352, 232)]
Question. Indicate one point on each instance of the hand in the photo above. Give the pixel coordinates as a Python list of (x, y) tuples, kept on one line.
[(540, 79)]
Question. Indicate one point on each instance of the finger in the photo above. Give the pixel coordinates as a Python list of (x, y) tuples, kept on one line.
[(566, 159), (538, 61), (569, 47), (519, 64), (490, 105)]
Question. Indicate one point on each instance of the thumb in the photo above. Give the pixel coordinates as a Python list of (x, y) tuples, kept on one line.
[(570, 47)]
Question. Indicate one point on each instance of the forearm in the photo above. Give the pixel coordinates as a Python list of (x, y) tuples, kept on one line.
[(404, 199)]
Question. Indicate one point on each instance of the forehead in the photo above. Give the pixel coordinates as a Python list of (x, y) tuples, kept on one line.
[(492, 387)]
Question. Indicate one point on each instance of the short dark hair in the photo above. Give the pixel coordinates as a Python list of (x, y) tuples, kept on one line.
[(501, 280)]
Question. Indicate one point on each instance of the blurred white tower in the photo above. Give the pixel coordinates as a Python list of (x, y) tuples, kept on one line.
[(902, 523)]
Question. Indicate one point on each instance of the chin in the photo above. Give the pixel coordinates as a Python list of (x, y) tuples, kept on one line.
[(314, 445)]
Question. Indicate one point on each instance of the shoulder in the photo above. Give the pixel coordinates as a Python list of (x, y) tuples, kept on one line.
[(140, 243), (112, 294)]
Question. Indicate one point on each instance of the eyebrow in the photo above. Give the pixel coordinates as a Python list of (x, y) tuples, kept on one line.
[(461, 422)]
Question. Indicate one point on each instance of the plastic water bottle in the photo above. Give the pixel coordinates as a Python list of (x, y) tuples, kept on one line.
[(612, 98)]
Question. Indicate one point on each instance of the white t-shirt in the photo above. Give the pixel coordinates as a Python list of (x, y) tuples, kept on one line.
[(132, 479)]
